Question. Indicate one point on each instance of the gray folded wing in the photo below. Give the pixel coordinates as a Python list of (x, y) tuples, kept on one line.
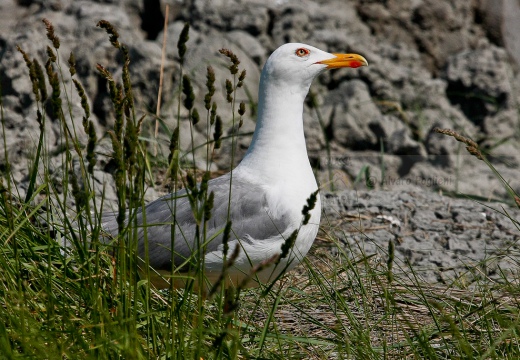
[(249, 214)]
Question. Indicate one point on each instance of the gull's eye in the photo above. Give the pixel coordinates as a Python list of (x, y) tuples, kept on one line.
[(301, 52)]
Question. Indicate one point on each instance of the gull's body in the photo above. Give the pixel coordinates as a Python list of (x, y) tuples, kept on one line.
[(269, 188)]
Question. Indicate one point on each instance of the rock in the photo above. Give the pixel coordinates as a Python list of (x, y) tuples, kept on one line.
[(355, 111), (440, 237), (501, 23), (250, 16), (406, 91), (479, 82), (434, 28), (500, 125)]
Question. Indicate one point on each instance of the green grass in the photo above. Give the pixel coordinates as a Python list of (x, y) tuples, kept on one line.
[(89, 302)]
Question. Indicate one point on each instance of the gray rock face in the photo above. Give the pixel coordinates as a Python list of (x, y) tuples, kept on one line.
[(501, 19), (432, 64), (443, 239), (479, 82)]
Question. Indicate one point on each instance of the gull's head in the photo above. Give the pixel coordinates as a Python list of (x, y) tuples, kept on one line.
[(298, 64)]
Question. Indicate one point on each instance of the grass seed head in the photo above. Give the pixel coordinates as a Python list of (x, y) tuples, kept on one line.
[(32, 73), (187, 89), (311, 203), (41, 80), (39, 119), (213, 113), (208, 206), (56, 91), (195, 117), (183, 39), (229, 91), (91, 145), (471, 146), (288, 245), (26, 58), (210, 85), (174, 140), (242, 108), (50, 34), (218, 132), (233, 68), (191, 185), (72, 64), (110, 29), (50, 54), (172, 160), (130, 144), (118, 101), (104, 72), (140, 124), (84, 101), (127, 84), (241, 78), (225, 239)]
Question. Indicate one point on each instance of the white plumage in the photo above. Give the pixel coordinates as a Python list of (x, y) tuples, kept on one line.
[(269, 187)]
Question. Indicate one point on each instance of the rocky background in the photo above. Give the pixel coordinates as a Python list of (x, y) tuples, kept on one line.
[(433, 63)]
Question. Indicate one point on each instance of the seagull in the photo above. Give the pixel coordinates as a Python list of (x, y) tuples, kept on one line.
[(269, 190)]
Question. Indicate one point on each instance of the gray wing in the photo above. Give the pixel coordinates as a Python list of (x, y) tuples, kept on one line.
[(249, 214)]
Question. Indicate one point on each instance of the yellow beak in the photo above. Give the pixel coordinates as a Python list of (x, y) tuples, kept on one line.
[(344, 60)]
